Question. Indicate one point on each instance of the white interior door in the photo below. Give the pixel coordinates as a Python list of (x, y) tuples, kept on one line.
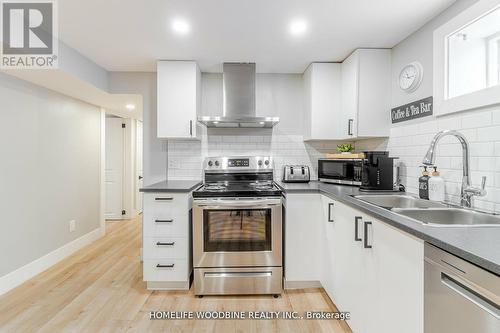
[(139, 176), (114, 168)]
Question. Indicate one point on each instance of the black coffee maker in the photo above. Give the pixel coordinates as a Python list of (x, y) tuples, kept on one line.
[(377, 172)]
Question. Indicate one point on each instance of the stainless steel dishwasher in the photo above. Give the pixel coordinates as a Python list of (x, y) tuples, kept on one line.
[(459, 297)]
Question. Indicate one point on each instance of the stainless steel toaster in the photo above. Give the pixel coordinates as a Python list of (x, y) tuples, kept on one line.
[(296, 174)]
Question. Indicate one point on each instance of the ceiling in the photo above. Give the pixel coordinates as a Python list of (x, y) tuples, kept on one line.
[(130, 35)]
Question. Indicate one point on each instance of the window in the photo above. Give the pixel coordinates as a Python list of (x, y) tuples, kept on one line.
[(466, 59), (473, 57)]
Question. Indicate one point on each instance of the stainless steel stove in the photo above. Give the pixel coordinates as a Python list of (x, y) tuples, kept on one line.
[(237, 228)]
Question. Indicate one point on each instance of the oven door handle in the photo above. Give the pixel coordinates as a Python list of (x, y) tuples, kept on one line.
[(229, 207), (238, 204)]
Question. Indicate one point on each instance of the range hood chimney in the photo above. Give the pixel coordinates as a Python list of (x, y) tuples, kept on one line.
[(239, 100)]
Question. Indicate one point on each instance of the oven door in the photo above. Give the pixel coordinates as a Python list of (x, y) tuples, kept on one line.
[(237, 233), (346, 171)]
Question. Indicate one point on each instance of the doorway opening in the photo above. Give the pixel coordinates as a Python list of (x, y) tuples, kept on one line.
[(123, 168)]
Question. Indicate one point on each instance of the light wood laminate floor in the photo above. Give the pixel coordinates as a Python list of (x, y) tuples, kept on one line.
[(100, 289)]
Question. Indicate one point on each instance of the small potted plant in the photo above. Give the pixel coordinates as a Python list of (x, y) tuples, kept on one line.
[(345, 148)]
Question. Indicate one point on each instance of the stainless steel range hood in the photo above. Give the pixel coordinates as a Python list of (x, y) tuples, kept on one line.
[(239, 100)]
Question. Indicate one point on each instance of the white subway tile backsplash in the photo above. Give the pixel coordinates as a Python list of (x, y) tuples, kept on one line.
[(489, 133), (495, 115), (285, 149), (476, 119), (482, 149), (428, 127), (482, 130), (449, 123)]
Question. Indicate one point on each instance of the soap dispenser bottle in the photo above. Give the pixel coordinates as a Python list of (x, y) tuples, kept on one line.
[(423, 184), (436, 186)]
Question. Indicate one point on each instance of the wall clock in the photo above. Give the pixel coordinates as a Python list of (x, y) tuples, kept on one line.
[(411, 77)]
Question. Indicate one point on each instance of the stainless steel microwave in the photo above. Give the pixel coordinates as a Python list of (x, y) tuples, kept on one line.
[(340, 171)]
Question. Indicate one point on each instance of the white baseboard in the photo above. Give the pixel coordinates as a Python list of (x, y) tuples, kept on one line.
[(22, 274), (302, 284)]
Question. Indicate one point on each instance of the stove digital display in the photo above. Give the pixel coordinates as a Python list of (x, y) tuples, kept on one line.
[(238, 162)]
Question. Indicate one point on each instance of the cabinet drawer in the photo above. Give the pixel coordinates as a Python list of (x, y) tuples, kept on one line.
[(166, 270), (165, 204), (165, 247), (168, 225)]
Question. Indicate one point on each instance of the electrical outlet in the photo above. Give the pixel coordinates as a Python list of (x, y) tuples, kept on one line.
[(72, 225)]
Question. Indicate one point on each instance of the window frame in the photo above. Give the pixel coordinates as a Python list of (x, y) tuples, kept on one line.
[(443, 104)]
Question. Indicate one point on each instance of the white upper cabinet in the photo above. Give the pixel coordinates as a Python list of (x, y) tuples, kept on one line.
[(322, 83), (366, 94), (179, 99), (467, 59)]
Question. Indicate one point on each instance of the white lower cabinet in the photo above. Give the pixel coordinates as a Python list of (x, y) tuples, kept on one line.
[(328, 227), (374, 271), (303, 246), (166, 240)]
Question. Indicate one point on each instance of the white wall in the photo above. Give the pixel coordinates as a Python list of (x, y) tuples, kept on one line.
[(418, 47), (76, 64), (49, 173), (410, 140)]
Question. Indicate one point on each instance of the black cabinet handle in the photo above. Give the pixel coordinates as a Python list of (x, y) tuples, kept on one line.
[(140, 177), (164, 199), (367, 223), (356, 237), (330, 205), (165, 266), (349, 126), (191, 128), (164, 221), (165, 244)]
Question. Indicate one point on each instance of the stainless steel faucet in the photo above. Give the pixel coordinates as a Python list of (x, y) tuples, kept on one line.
[(467, 191)]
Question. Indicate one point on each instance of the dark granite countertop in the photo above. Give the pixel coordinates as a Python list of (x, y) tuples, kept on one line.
[(478, 245), (172, 186)]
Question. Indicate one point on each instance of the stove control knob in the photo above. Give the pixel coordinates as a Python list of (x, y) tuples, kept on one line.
[(259, 162), (210, 163), (216, 163), (266, 162)]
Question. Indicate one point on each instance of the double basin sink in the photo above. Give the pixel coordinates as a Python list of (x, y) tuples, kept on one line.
[(431, 213)]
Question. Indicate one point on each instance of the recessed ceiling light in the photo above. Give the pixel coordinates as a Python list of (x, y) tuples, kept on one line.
[(298, 27), (130, 107), (180, 26)]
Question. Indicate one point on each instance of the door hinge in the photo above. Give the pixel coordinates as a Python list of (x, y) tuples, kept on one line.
[(124, 212), (123, 125)]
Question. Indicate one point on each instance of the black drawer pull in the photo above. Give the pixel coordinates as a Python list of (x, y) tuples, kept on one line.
[(356, 228), (164, 221), (164, 199), (165, 244), (367, 223), (330, 205), (165, 266)]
